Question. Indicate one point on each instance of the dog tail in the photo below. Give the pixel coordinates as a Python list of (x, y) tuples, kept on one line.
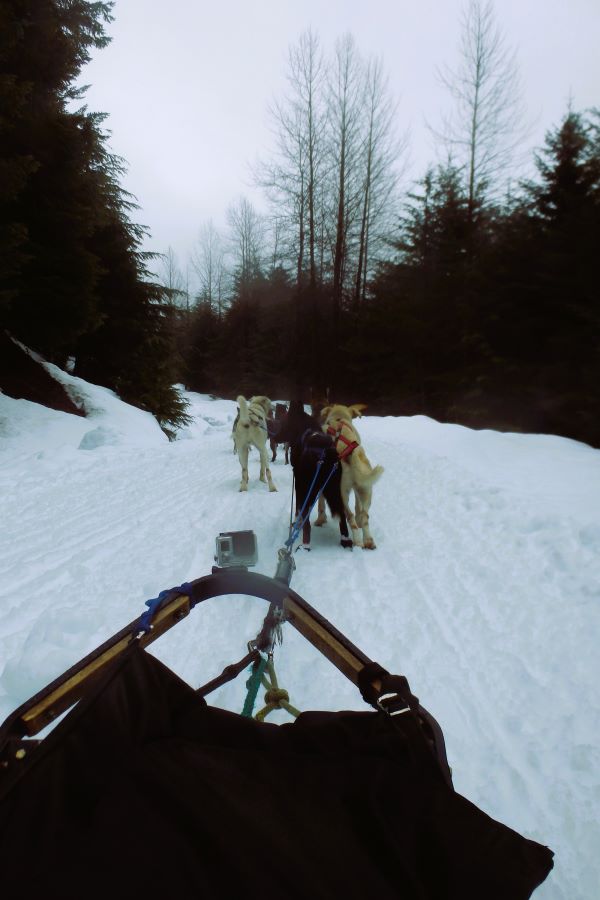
[(374, 475), (243, 405)]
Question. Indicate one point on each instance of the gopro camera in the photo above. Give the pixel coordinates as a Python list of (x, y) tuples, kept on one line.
[(236, 549)]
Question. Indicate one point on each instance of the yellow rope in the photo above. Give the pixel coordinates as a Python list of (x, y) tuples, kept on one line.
[(275, 697)]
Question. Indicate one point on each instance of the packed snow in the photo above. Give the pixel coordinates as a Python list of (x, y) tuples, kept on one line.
[(484, 589)]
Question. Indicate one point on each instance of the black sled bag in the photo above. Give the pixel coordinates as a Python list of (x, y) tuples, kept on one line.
[(145, 791)]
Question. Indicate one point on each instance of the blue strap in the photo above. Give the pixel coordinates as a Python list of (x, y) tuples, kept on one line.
[(145, 621)]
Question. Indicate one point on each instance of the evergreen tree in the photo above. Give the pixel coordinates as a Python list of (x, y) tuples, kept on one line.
[(50, 195), (428, 305), (555, 314), (133, 349), (201, 342), (74, 280)]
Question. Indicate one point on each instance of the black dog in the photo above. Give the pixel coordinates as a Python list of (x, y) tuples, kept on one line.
[(273, 429), (309, 445)]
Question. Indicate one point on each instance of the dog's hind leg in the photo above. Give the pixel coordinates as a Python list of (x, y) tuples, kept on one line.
[(346, 540), (346, 487), (363, 504), (306, 535), (301, 492), (243, 456), (322, 517), (265, 472)]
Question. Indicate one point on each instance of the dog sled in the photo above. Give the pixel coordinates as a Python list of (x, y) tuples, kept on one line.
[(144, 790)]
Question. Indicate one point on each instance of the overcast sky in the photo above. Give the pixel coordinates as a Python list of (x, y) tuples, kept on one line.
[(187, 84)]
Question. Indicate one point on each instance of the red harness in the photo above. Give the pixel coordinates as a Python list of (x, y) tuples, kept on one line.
[(350, 445)]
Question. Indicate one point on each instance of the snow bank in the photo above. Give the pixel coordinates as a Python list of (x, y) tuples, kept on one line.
[(30, 428), (565, 474)]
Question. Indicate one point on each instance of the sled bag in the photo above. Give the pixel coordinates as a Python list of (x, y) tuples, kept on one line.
[(145, 791)]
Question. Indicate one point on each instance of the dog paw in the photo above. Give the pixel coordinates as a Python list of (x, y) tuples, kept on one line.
[(369, 544), (272, 488), (244, 487), (346, 543)]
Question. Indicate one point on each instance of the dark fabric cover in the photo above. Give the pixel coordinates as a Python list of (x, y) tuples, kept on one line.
[(144, 791)]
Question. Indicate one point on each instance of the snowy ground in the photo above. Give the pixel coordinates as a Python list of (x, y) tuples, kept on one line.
[(484, 590)]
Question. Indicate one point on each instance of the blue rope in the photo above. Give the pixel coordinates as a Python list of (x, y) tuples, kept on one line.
[(312, 484), (253, 685), (145, 621), (299, 523)]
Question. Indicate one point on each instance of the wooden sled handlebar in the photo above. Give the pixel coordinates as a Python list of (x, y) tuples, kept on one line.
[(45, 706)]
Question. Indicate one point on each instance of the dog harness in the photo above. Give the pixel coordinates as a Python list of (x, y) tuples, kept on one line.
[(338, 436)]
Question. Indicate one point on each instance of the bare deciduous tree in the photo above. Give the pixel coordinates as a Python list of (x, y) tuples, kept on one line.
[(247, 237), (275, 228), (345, 98), (333, 177), (486, 126), (292, 179), (381, 153), (173, 280), (208, 262)]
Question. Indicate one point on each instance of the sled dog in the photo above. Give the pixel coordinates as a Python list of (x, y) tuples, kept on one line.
[(358, 475), (251, 430)]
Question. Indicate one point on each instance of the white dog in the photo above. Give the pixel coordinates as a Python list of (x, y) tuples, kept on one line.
[(251, 430), (358, 475)]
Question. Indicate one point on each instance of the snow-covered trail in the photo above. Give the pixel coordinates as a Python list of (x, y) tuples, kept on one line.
[(485, 599)]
